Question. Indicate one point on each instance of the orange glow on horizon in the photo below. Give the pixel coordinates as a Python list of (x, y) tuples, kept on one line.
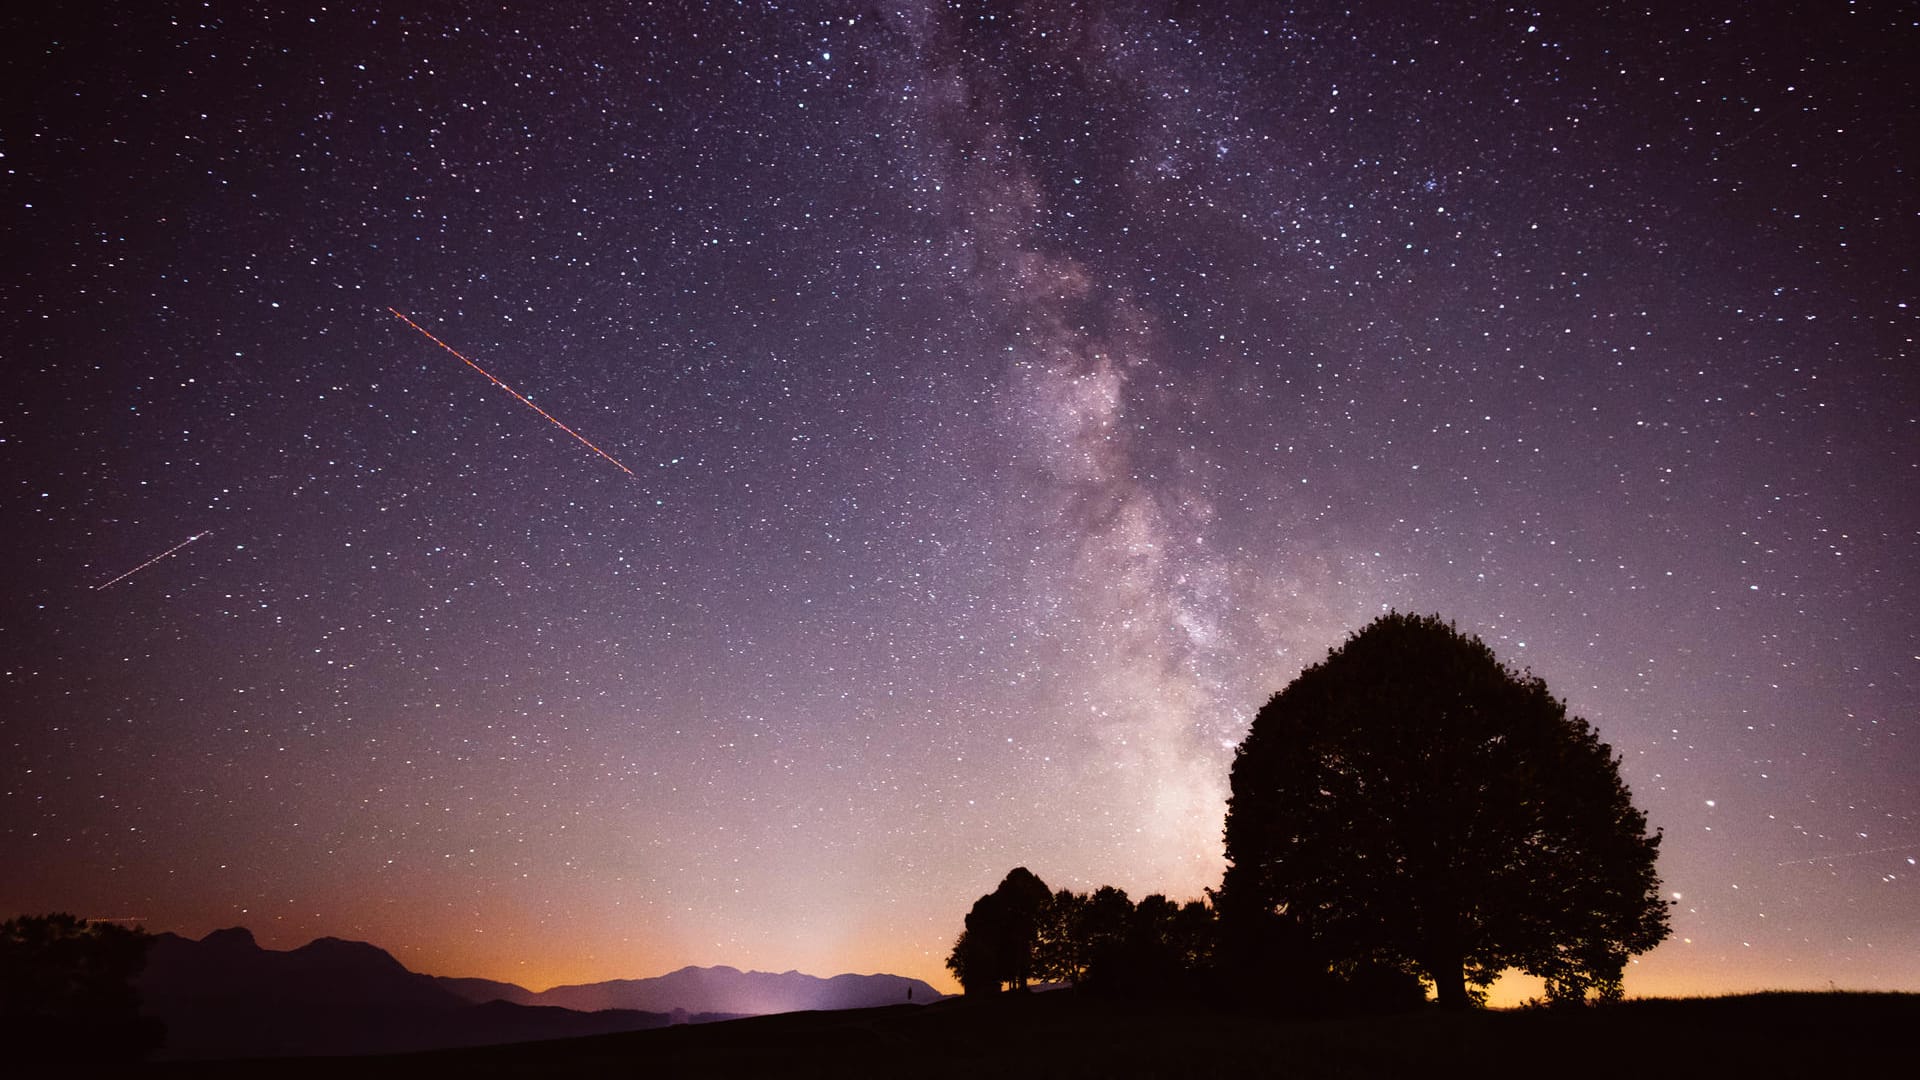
[(539, 973)]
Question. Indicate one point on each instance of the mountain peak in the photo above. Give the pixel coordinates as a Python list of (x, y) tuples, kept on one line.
[(225, 997), (233, 937), (342, 951)]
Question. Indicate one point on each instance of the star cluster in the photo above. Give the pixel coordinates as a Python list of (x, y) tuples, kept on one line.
[(1015, 396)]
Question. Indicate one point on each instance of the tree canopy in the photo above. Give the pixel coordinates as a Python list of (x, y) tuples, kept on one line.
[(1412, 802), (1019, 933), (66, 990), (1002, 932)]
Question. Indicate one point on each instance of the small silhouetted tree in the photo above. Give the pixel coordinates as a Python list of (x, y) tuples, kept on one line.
[(971, 965), (1412, 803), (66, 991), (1102, 942), (1002, 932), (1153, 960), (1194, 937), (1170, 947), (1060, 956), (1155, 948), (1105, 930)]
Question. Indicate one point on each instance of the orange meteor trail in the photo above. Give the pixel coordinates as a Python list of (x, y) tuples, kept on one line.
[(153, 560), (522, 398)]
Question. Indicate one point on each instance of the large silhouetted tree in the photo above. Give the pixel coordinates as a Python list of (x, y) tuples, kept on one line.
[(66, 991), (1412, 802)]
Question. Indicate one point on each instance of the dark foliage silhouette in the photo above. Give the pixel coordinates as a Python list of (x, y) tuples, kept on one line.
[(1105, 929), (66, 991), (1412, 805), (1002, 932), (1060, 954), (970, 965), (1101, 941), (1112, 945)]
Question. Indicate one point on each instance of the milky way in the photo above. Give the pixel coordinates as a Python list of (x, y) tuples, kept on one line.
[(1016, 396)]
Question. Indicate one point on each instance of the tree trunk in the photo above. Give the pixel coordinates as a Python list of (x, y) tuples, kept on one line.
[(1450, 985), (1447, 958)]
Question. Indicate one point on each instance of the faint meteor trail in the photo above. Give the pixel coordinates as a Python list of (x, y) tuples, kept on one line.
[(153, 560), (1845, 855), (517, 394)]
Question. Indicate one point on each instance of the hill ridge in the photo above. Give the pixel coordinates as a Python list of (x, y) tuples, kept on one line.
[(225, 995)]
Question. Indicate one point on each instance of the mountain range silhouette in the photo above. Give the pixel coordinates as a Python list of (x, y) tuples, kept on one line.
[(225, 996), (711, 989)]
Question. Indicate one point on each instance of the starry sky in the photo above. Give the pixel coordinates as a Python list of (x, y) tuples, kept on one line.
[(996, 404)]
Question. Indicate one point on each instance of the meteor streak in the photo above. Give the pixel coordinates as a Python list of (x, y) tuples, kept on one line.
[(521, 397), (153, 560), (1845, 855)]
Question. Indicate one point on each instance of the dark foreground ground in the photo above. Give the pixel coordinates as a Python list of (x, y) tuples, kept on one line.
[(1058, 1035)]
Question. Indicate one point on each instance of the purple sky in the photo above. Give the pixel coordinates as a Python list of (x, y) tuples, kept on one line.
[(1015, 398)]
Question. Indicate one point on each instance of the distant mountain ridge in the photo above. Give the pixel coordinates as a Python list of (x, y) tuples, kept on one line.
[(225, 996), (712, 989)]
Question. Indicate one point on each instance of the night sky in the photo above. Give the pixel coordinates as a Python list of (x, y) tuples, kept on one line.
[(1014, 398)]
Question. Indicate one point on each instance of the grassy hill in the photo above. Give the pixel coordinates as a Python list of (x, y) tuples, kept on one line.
[(1062, 1035)]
